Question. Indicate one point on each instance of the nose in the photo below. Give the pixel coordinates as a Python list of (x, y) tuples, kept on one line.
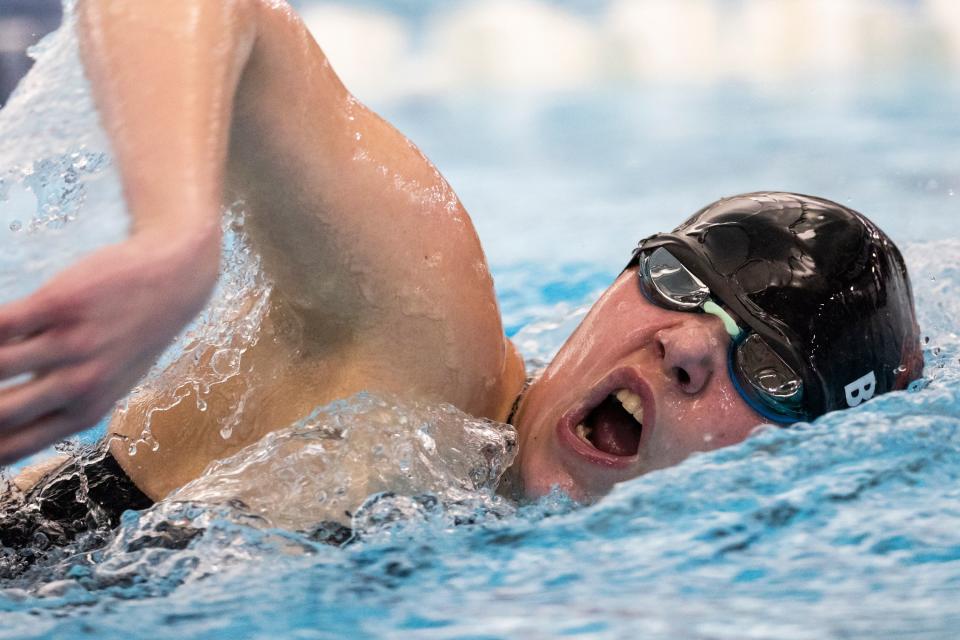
[(691, 352)]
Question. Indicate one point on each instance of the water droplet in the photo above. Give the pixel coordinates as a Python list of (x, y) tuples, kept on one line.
[(16, 225), (226, 362)]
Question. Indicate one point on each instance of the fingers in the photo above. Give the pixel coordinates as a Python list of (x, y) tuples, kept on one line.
[(29, 356), (22, 318), (41, 412), (29, 420), (39, 435), (29, 401)]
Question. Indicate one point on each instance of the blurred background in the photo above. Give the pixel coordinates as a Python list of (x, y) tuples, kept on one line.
[(22, 23), (422, 47), (439, 46), (390, 48), (593, 122)]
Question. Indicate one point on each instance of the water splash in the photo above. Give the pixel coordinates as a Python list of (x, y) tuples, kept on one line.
[(59, 188), (326, 465), (856, 511), (209, 351), (60, 195), (60, 198), (366, 471)]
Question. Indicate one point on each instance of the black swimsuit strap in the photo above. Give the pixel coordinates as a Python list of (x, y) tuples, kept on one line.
[(516, 403), (88, 491)]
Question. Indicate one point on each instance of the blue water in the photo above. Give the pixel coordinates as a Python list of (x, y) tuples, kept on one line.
[(847, 528)]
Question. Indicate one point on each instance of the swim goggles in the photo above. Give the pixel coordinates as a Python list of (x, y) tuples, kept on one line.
[(768, 384)]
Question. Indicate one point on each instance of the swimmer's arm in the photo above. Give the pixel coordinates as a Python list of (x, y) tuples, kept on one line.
[(359, 234), (362, 234), (163, 75)]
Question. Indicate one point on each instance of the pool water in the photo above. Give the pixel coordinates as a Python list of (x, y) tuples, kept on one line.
[(846, 528)]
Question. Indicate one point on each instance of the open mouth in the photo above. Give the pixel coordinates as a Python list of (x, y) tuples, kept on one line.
[(608, 428), (615, 425)]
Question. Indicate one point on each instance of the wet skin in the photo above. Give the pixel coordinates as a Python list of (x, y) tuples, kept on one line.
[(379, 279), (675, 362)]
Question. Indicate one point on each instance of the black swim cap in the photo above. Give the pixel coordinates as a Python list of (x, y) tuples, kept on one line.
[(821, 284)]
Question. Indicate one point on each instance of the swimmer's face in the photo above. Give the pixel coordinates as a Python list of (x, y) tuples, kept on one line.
[(669, 370)]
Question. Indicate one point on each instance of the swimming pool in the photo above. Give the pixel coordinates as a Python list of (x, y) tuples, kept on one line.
[(846, 528)]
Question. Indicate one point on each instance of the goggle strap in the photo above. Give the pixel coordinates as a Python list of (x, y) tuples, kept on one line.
[(729, 323)]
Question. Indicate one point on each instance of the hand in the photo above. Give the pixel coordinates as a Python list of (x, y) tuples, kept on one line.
[(89, 335)]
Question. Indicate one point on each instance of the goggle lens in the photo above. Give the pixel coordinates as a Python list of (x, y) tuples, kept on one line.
[(763, 378), (764, 375), (668, 282)]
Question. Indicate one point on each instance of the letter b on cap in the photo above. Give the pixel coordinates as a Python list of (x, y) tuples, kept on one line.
[(861, 389)]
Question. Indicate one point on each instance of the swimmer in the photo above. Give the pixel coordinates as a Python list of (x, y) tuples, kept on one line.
[(765, 307)]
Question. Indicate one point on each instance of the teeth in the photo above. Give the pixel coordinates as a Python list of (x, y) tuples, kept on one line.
[(583, 431), (632, 403)]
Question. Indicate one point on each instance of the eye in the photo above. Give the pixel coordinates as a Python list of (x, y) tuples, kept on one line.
[(683, 378)]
